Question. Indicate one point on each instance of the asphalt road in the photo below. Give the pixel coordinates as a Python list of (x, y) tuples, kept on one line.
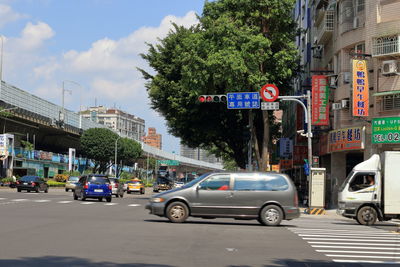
[(54, 230)]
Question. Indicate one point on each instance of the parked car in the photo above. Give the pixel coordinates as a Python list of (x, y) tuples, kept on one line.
[(117, 187), (135, 186), (32, 183), (266, 197), (71, 183), (93, 186)]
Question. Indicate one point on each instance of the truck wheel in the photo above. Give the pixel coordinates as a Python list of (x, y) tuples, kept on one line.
[(271, 215), (177, 212), (367, 215)]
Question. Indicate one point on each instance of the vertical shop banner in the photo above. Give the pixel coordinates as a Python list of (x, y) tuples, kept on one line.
[(285, 147), (360, 88), (3, 146), (320, 100)]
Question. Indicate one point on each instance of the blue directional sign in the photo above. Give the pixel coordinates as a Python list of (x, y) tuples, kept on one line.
[(249, 100)]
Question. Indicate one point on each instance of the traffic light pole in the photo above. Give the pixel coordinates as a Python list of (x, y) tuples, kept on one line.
[(250, 150), (307, 119)]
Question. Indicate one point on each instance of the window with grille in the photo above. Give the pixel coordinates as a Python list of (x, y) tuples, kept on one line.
[(391, 102)]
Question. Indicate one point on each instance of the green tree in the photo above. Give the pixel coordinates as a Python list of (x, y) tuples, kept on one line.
[(128, 152), (238, 46), (98, 144)]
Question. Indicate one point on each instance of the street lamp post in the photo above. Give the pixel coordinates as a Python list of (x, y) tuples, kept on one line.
[(116, 155), (63, 90), (1, 64)]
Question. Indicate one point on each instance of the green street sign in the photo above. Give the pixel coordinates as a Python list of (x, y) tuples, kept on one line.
[(168, 162), (386, 130)]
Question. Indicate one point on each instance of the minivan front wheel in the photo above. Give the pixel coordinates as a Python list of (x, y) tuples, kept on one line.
[(177, 212), (271, 215)]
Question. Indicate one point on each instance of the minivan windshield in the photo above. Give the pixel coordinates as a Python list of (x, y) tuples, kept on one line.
[(73, 178), (195, 181), (98, 180), (341, 188)]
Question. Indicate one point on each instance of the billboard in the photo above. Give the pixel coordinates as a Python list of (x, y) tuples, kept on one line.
[(346, 139), (386, 130), (360, 88), (320, 100), (3, 146)]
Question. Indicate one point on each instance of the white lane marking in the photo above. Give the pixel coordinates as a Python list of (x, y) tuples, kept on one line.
[(338, 230), (351, 235), (357, 252), (110, 204), (87, 203), (370, 239), (353, 243), (231, 249), (357, 261), (2, 198), (19, 199), (42, 200), (363, 256), (64, 202), (380, 248), (134, 205)]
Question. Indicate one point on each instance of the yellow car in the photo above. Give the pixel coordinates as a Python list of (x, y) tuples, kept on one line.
[(135, 186)]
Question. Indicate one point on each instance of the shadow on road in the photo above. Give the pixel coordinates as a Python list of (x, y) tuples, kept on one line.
[(50, 261), (234, 222), (312, 263)]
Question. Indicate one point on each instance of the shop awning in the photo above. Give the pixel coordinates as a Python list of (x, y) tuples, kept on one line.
[(387, 93)]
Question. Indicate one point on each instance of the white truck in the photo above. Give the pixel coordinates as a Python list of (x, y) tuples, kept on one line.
[(371, 191)]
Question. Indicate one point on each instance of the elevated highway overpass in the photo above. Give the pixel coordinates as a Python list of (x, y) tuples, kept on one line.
[(52, 128)]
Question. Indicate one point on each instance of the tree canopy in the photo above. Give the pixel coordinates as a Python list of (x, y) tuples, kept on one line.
[(237, 46), (98, 144)]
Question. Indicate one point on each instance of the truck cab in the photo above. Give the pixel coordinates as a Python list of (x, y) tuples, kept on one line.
[(361, 196)]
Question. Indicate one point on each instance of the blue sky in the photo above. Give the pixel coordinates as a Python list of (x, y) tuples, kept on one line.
[(93, 42)]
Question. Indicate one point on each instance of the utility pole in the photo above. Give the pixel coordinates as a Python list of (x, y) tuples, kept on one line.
[(1, 64), (116, 155)]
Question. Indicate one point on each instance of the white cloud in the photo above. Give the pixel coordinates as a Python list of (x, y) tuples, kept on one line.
[(106, 70), (34, 35), (7, 15)]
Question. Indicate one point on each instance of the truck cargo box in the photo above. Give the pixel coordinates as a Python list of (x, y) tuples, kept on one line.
[(391, 174)]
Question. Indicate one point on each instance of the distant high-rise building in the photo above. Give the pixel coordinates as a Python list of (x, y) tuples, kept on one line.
[(127, 125), (153, 138), (198, 153)]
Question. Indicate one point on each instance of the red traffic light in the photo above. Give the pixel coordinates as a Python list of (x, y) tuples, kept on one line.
[(209, 99), (202, 99)]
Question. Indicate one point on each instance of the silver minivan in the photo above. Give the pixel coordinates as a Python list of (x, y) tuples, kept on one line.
[(267, 197)]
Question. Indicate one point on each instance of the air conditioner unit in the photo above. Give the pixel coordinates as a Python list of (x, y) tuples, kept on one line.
[(333, 81), (390, 67), (356, 22), (345, 103), (346, 77), (336, 106)]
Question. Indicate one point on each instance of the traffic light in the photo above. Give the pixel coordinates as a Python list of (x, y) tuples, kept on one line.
[(212, 99)]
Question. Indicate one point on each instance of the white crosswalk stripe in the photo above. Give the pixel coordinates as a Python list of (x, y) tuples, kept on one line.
[(19, 199), (64, 202), (88, 203), (3, 198), (350, 243), (110, 204), (134, 205)]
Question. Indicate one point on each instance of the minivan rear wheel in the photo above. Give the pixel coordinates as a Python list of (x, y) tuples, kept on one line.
[(177, 212), (271, 215)]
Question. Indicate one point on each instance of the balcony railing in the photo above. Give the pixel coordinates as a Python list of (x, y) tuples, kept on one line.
[(325, 28), (387, 45)]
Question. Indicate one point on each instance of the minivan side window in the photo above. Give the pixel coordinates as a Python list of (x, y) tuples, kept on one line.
[(216, 182), (261, 183)]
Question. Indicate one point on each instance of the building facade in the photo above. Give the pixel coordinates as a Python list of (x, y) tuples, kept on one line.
[(153, 138), (127, 125), (198, 154), (336, 37)]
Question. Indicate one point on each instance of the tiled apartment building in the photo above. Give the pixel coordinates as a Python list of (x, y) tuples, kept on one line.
[(334, 33)]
